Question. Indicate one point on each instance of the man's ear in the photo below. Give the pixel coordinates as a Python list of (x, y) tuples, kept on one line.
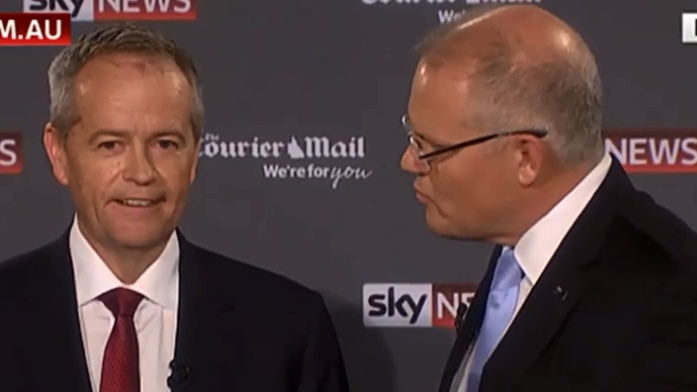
[(54, 144), (530, 156), (194, 164)]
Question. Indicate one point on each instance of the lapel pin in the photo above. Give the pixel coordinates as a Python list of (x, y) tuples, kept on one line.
[(560, 292)]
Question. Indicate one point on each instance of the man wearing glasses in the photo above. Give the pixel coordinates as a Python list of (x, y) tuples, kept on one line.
[(591, 286)]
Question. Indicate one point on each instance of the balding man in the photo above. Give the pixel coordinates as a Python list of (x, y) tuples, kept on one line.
[(592, 285)]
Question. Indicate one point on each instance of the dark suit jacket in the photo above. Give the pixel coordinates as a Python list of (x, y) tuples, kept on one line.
[(615, 310), (240, 328)]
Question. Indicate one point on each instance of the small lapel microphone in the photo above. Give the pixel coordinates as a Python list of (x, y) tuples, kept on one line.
[(179, 376)]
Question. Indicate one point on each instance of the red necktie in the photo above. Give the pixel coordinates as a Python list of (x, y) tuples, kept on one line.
[(120, 367)]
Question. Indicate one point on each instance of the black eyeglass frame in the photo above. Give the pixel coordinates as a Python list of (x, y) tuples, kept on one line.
[(539, 133)]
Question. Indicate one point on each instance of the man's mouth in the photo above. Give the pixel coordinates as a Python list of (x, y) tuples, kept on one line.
[(138, 202), (420, 195)]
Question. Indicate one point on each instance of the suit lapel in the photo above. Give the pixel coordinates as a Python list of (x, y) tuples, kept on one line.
[(209, 335), (470, 328), (558, 289), (52, 348)]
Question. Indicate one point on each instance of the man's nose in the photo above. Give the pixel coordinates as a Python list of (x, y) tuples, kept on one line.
[(408, 162), (139, 166)]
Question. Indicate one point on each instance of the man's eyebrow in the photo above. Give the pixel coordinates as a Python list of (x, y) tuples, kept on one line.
[(107, 132), (123, 134), (172, 133), (427, 139)]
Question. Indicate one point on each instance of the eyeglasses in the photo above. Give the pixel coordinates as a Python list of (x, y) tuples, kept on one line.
[(424, 157)]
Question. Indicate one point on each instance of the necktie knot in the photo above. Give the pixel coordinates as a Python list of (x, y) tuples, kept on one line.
[(121, 302), (508, 273)]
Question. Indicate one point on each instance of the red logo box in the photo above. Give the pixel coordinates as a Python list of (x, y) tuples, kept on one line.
[(446, 299), (653, 150), (11, 156), (35, 29)]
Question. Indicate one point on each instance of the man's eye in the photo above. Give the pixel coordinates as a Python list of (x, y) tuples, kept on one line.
[(108, 145), (166, 144), (424, 146)]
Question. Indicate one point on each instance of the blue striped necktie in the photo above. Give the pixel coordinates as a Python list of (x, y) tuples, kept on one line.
[(500, 307)]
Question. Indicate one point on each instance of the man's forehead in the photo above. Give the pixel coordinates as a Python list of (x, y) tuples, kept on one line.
[(462, 64), (119, 65), (440, 103), (136, 60), (443, 85), (118, 71)]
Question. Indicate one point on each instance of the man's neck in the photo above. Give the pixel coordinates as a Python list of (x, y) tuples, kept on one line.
[(127, 264), (543, 200)]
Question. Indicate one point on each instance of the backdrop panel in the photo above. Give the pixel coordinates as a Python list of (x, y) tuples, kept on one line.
[(319, 88)]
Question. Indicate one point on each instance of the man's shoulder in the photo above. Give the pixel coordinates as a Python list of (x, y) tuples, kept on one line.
[(261, 284), (657, 230), (24, 273), (27, 263)]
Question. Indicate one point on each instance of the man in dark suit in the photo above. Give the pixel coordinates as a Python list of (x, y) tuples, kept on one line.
[(122, 302), (592, 285)]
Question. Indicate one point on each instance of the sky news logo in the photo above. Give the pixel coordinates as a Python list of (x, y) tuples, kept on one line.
[(34, 30), (11, 158), (111, 10), (653, 151), (404, 305)]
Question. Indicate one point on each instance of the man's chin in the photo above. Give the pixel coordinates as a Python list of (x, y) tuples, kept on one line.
[(439, 225), (445, 228), (135, 237)]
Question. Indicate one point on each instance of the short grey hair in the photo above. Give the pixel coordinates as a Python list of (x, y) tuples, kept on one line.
[(115, 38), (563, 95)]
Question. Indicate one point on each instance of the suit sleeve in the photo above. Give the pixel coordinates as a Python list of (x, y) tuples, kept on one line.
[(669, 361), (665, 360), (323, 363)]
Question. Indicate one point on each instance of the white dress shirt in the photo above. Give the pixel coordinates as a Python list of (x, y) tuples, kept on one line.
[(155, 318), (536, 247)]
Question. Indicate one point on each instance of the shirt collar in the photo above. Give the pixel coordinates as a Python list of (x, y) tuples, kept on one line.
[(159, 283), (536, 247)]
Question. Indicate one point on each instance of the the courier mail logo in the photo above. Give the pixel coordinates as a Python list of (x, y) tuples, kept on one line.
[(414, 304), (110, 10)]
